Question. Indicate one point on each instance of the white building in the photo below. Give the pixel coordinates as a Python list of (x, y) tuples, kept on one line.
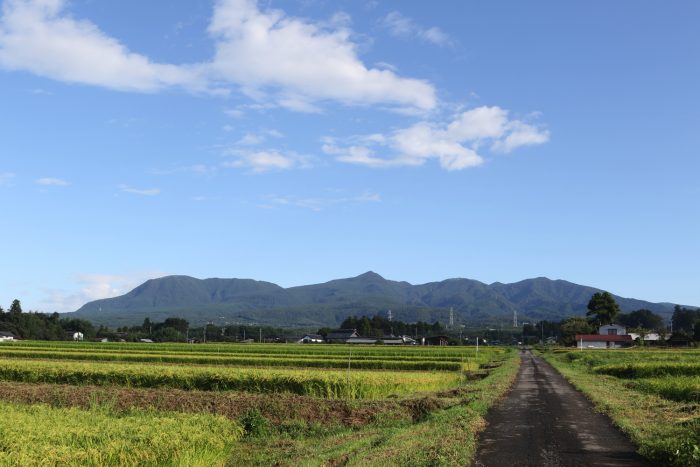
[(610, 336)]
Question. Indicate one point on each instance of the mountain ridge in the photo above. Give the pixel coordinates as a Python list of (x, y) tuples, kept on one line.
[(251, 301)]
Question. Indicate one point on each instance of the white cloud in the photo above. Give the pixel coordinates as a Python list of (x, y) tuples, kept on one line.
[(50, 181), (301, 62), (250, 139), (455, 145), (259, 161), (320, 203), (94, 287), (253, 139), (399, 25), (520, 134), (40, 37), (266, 55), (6, 178), (140, 191)]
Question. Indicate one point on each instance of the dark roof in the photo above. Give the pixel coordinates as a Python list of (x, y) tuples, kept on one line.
[(7, 334), (342, 333), (603, 338), (312, 336)]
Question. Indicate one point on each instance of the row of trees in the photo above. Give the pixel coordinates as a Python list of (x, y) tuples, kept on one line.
[(379, 326), (40, 325)]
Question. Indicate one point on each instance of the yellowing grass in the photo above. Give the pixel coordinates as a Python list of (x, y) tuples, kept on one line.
[(41, 435), (353, 384)]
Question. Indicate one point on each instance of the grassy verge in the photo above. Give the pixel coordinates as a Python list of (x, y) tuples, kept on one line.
[(436, 436), (667, 432)]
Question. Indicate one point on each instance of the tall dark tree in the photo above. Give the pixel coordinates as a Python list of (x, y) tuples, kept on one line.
[(643, 319), (602, 308), (684, 320), (15, 308)]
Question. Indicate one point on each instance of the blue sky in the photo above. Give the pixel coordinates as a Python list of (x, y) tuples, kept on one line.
[(300, 141)]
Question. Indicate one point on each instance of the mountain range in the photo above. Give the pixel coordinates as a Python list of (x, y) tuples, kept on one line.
[(247, 301)]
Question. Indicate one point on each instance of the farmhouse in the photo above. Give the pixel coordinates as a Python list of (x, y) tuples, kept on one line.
[(610, 336), (7, 336), (650, 337), (397, 340), (311, 339), (341, 336)]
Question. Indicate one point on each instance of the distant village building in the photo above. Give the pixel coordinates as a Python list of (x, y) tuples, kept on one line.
[(311, 339), (341, 336), (651, 337), (78, 336), (362, 340), (610, 336), (6, 336), (398, 340), (437, 340)]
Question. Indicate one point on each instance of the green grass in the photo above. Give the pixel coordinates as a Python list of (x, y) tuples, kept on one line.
[(42, 435), (682, 389), (657, 414)]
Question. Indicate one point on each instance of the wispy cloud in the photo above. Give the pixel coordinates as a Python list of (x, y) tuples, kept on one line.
[(139, 191), (253, 139), (265, 160), (50, 181), (6, 178), (198, 169), (456, 145), (319, 203), (93, 287), (399, 25)]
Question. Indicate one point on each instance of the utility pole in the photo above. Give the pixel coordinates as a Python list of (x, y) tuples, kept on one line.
[(452, 317), (515, 318), (260, 329), (542, 326)]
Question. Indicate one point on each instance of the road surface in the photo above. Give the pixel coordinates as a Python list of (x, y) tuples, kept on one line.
[(544, 421)]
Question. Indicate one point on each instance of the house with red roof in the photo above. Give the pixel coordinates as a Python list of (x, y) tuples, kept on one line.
[(610, 336)]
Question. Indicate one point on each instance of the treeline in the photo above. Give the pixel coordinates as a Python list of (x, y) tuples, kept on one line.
[(379, 326), (42, 326), (179, 330), (685, 324)]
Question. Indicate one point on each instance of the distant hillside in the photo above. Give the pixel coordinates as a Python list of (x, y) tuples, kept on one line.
[(328, 304)]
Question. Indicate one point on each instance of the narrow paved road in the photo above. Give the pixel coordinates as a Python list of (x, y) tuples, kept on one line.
[(545, 422)]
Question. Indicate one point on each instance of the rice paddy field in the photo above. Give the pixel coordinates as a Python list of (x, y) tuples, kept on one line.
[(651, 394), (68, 403)]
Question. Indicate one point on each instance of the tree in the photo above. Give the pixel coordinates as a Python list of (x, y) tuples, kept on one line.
[(573, 326), (15, 308), (602, 308), (642, 319), (684, 320)]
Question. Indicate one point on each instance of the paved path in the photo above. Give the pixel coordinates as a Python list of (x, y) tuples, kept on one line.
[(545, 422)]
